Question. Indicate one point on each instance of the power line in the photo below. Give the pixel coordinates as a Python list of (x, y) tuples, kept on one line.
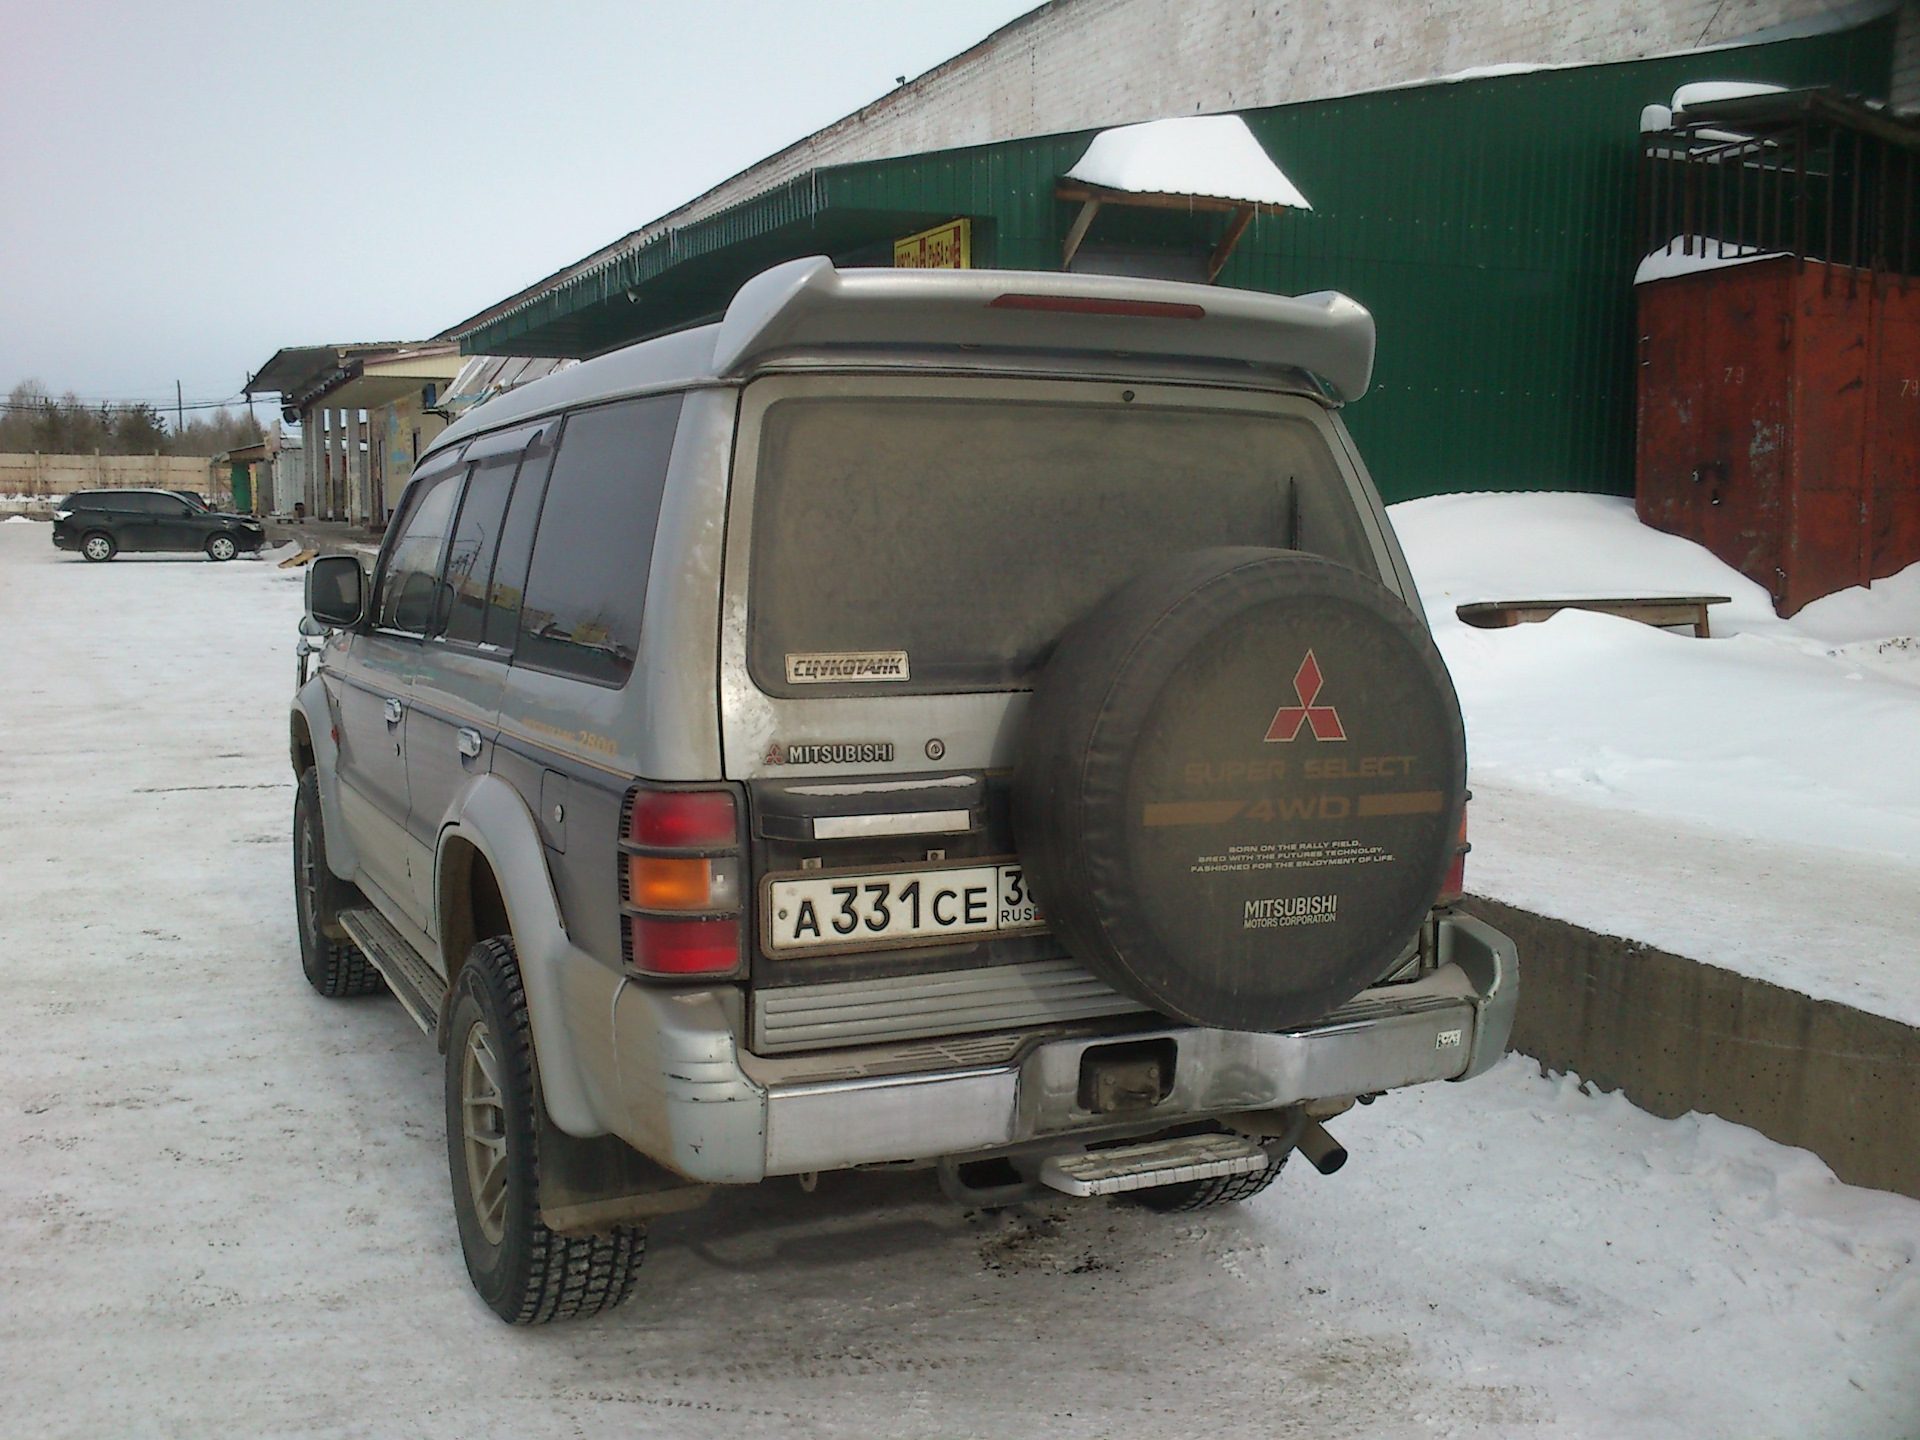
[(42, 401)]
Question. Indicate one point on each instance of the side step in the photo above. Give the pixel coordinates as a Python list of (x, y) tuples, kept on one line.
[(1158, 1162), (418, 985)]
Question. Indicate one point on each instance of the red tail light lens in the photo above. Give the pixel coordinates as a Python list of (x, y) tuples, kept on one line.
[(681, 880), (1455, 884), (684, 819), (678, 948)]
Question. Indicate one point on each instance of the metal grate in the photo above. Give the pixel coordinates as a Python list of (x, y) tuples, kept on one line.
[(1806, 173)]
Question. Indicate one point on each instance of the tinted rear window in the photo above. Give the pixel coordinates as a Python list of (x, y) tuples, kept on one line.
[(968, 534)]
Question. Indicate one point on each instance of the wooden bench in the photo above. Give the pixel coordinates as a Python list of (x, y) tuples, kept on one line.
[(1660, 610)]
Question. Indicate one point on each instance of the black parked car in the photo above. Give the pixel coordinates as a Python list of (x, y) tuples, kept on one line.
[(102, 523)]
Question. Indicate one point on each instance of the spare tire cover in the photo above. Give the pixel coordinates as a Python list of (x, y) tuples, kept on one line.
[(1241, 786)]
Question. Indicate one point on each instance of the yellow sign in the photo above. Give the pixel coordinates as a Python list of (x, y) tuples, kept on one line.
[(945, 247)]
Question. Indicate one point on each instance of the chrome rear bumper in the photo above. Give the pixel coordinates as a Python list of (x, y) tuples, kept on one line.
[(689, 1104)]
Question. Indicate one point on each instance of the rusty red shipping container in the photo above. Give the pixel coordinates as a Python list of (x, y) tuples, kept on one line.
[(1779, 421)]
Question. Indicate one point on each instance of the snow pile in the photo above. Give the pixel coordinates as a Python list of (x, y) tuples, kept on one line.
[(277, 553), (1688, 255), (1215, 156), (17, 520), (225, 1200), (1752, 800)]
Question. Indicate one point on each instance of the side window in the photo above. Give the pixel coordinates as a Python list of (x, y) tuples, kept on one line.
[(408, 585), (476, 538), (588, 580), (516, 541)]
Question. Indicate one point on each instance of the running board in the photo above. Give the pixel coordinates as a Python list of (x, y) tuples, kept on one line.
[(1158, 1162), (414, 982)]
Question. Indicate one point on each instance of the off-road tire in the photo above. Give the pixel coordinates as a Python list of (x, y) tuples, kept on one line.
[(98, 547), (221, 547), (529, 1274), (333, 964), (1205, 1194)]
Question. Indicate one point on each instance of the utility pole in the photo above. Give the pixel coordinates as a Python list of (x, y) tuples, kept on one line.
[(179, 411)]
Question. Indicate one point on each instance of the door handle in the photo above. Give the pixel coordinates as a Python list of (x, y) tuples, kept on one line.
[(469, 742), (393, 711)]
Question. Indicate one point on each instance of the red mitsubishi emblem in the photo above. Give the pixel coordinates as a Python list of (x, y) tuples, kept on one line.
[(1324, 719)]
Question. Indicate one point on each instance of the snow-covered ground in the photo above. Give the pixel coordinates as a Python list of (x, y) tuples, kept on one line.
[(1752, 800), (224, 1205)]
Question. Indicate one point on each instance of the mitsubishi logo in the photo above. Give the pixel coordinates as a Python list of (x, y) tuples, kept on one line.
[(1324, 719)]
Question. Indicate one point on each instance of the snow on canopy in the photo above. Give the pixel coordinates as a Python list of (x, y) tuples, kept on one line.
[(1214, 156), (1687, 255), (1705, 92)]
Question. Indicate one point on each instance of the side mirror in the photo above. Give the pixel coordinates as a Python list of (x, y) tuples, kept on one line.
[(336, 591)]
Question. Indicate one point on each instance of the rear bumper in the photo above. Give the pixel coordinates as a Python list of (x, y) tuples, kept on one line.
[(689, 1104)]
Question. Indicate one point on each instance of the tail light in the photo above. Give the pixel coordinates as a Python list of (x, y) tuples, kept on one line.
[(682, 867), (1455, 884)]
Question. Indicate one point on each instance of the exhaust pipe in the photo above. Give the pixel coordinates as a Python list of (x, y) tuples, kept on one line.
[(1324, 1152)]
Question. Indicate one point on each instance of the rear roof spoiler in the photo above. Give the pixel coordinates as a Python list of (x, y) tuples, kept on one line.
[(807, 304)]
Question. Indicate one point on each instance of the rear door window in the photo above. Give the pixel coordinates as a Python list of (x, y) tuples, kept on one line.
[(588, 579), (943, 544), (476, 541), (516, 540)]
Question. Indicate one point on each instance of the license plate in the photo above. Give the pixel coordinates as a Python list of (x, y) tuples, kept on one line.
[(895, 908)]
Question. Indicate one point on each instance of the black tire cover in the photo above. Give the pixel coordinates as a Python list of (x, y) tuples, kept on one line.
[(1241, 786)]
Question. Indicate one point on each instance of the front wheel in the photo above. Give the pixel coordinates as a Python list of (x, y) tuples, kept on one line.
[(525, 1272), (221, 547), (333, 964)]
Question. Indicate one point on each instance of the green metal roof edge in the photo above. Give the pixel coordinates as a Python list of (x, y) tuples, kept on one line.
[(802, 198)]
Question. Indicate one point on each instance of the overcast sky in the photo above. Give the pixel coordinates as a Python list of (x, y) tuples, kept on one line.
[(186, 187)]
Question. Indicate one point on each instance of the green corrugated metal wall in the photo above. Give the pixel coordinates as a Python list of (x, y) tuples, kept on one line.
[(1488, 224)]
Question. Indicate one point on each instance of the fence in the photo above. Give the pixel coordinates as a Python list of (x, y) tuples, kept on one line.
[(40, 476)]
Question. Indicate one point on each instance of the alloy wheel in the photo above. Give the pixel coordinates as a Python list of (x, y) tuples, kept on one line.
[(483, 1123)]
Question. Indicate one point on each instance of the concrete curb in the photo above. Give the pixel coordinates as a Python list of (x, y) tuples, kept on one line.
[(1678, 1035)]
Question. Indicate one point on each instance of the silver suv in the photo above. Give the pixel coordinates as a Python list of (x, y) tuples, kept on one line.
[(967, 720)]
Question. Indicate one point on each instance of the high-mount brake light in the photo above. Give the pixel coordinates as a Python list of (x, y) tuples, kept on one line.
[(1455, 884), (680, 883), (1098, 305)]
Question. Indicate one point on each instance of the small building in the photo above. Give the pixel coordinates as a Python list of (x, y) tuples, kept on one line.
[(365, 412), (245, 474)]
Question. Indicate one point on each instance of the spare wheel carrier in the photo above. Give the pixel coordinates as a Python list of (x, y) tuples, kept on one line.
[(1241, 786)]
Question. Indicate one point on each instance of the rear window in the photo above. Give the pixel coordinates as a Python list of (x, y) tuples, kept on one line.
[(953, 540)]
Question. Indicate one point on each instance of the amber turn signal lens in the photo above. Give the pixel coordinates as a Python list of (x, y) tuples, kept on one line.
[(656, 882)]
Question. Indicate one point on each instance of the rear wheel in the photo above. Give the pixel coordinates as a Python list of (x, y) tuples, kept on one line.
[(333, 964), (98, 546), (527, 1273), (221, 547)]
